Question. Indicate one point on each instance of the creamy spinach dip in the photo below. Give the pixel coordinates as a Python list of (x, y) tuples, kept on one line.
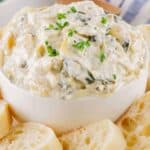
[(65, 50)]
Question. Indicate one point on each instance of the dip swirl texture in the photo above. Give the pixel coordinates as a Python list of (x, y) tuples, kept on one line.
[(70, 50)]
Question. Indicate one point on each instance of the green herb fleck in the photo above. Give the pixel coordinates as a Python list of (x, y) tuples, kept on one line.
[(114, 76), (57, 26), (51, 51), (50, 26), (81, 45), (61, 16), (71, 32), (60, 26), (73, 9), (104, 20), (102, 56)]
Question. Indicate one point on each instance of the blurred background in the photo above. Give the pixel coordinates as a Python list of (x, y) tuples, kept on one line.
[(133, 11)]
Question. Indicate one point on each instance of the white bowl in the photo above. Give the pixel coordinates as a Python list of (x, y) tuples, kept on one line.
[(70, 114), (66, 115)]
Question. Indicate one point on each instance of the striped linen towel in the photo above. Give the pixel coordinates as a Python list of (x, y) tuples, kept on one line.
[(134, 11)]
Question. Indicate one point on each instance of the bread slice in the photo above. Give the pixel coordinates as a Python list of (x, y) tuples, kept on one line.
[(30, 136), (1, 94), (5, 119), (103, 135), (135, 124)]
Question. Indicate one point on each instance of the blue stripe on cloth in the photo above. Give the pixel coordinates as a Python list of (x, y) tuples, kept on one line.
[(121, 3), (108, 0), (147, 22), (134, 9)]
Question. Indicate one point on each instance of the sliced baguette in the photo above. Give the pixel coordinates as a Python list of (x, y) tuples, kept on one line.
[(1, 97), (5, 119), (103, 135), (135, 124), (30, 136)]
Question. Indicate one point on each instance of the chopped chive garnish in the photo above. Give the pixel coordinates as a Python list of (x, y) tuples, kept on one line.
[(104, 20), (57, 26), (60, 26), (102, 56), (81, 45), (61, 16), (73, 9), (50, 26), (71, 32), (46, 43), (114, 76), (51, 51)]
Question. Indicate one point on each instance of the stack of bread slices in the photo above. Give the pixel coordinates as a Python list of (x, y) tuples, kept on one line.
[(130, 132)]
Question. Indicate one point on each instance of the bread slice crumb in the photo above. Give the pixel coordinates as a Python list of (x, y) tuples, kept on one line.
[(135, 124), (30, 136), (5, 119), (103, 135)]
